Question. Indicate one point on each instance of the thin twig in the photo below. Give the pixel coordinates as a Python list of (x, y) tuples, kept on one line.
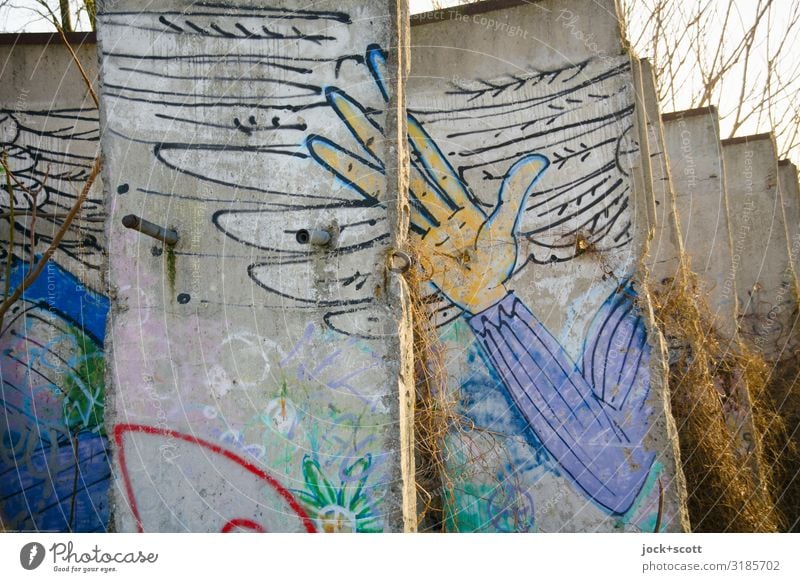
[(8, 300), (13, 177), (77, 62), (32, 228), (11, 222), (71, 525), (28, 281), (49, 215)]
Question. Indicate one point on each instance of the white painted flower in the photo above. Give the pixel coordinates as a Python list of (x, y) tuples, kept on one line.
[(336, 519), (218, 380), (281, 414)]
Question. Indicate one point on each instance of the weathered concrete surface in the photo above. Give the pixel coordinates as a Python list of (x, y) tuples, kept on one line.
[(765, 283), (51, 341), (255, 380), (695, 158), (790, 197), (532, 113), (665, 250)]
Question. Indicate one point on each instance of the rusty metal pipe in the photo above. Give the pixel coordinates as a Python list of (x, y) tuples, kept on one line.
[(313, 236), (165, 235)]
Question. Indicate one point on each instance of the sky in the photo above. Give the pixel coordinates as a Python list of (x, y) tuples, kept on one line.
[(18, 16)]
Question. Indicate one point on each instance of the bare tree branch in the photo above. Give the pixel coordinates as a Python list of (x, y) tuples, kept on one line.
[(37, 270), (736, 54)]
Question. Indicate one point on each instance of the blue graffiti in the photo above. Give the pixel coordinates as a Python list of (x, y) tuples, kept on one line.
[(54, 456), (61, 292)]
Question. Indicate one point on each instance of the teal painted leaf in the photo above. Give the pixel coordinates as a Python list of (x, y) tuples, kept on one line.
[(316, 482), (360, 467), (310, 501)]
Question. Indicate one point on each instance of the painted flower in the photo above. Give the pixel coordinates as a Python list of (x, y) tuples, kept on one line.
[(281, 415), (342, 508)]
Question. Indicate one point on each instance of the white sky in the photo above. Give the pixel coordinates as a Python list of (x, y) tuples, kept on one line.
[(18, 16)]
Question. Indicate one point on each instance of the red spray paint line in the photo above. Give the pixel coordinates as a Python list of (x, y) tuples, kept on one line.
[(121, 429)]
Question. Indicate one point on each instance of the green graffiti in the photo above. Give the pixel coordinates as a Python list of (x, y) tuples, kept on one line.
[(466, 511), (342, 508), (646, 523), (84, 387), (171, 268)]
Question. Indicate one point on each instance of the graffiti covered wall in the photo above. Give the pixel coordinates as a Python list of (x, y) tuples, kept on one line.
[(55, 450), (54, 453), (532, 215), (255, 378)]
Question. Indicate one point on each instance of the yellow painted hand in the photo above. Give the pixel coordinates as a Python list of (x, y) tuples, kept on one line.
[(466, 254)]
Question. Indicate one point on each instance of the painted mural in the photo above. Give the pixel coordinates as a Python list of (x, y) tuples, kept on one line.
[(304, 457), (514, 183), (525, 213), (254, 374), (54, 454), (253, 385)]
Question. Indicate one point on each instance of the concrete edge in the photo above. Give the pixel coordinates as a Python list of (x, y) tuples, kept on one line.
[(45, 38), (649, 91), (433, 16), (747, 138), (675, 489), (673, 115), (398, 298)]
